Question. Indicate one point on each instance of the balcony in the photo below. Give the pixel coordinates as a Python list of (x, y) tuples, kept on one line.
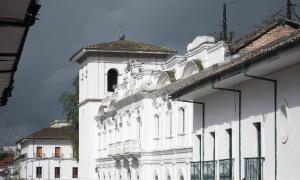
[(205, 170), (209, 170), (225, 169), (115, 149), (132, 146), (254, 168), (129, 147), (195, 170)]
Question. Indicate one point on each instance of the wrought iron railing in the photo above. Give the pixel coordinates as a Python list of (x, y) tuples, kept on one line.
[(209, 170), (196, 170), (205, 170), (254, 168), (225, 169)]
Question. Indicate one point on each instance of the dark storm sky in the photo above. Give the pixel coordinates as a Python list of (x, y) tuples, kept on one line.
[(66, 25)]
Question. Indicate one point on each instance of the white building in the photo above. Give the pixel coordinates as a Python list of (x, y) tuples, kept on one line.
[(207, 114), (137, 135), (249, 128), (47, 154)]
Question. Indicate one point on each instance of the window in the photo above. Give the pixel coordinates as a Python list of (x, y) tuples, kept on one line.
[(213, 136), (156, 177), (38, 172), (128, 174), (75, 172), (258, 136), (181, 177), (169, 177), (112, 79), (181, 120), (39, 151), (57, 172), (156, 126), (57, 152), (169, 123), (200, 146)]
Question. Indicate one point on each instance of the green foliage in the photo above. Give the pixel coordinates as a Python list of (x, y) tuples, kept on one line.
[(69, 100), (3, 155), (199, 64)]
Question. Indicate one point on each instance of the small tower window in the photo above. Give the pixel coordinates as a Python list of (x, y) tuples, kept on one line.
[(112, 79)]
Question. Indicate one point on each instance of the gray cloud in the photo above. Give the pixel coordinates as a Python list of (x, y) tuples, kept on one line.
[(66, 25)]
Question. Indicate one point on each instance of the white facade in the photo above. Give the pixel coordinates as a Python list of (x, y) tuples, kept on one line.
[(222, 112), (41, 153), (194, 116), (93, 90), (138, 134)]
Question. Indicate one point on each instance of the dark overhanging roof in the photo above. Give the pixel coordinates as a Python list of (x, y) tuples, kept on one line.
[(15, 19)]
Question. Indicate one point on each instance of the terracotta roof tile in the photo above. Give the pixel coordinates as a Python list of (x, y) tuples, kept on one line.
[(128, 45), (244, 41), (49, 133), (7, 160), (182, 86)]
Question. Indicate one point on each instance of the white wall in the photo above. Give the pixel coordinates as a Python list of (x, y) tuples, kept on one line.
[(257, 106), (27, 166)]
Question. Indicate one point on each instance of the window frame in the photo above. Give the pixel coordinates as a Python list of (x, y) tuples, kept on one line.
[(56, 172), (39, 151), (111, 78), (75, 175), (39, 172), (57, 154)]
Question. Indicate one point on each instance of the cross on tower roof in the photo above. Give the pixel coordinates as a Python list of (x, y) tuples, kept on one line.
[(121, 31)]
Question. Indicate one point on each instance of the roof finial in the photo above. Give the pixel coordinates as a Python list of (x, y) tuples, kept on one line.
[(121, 31)]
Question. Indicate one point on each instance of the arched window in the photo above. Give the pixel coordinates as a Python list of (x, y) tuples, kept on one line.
[(169, 123), (112, 79), (181, 120), (169, 177), (128, 174), (156, 177), (156, 126), (181, 177)]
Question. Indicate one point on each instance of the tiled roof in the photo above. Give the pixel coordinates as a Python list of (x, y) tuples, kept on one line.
[(6, 160), (127, 46), (185, 85), (49, 133), (244, 41), (182, 86)]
